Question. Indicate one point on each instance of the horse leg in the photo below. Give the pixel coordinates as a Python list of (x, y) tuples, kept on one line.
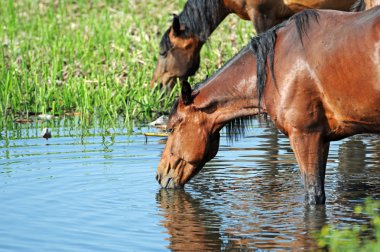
[(311, 152)]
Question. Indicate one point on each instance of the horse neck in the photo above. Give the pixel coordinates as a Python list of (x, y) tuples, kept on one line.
[(230, 93), (202, 17)]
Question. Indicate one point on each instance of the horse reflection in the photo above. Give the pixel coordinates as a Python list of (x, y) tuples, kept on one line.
[(191, 227), (358, 175)]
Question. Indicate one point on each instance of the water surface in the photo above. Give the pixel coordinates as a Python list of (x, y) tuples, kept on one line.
[(95, 191)]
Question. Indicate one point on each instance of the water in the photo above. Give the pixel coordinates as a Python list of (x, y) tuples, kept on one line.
[(97, 192)]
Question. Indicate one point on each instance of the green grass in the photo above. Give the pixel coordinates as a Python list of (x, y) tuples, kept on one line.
[(357, 237), (94, 57)]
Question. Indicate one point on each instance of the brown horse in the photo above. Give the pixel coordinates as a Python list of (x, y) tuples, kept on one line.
[(320, 84), (181, 44)]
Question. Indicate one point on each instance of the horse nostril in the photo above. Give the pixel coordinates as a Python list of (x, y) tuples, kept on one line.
[(158, 178), (169, 183)]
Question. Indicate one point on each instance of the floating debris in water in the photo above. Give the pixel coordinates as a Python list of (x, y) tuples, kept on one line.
[(155, 134), (23, 120), (72, 113), (161, 134), (160, 122), (45, 117), (46, 133)]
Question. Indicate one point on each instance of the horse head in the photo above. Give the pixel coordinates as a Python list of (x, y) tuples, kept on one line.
[(185, 155), (179, 55)]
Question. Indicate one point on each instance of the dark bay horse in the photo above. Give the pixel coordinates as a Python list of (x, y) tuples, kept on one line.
[(181, 44), (316, 75)]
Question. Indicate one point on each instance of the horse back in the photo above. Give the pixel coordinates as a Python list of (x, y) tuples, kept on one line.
[(349, 71), (331, 73)]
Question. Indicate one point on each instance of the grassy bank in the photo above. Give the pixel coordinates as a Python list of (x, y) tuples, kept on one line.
[(94, 57)]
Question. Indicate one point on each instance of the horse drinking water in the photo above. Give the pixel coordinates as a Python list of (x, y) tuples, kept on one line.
[(181, 44), (317, 76)]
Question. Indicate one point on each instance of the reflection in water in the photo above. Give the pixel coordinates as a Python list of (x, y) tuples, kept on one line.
[(357, 171), (352, 176), (251, 195), (189, 225), (194, 227)]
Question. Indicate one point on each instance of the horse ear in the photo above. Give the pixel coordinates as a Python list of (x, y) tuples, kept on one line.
[(186, 92), (176, 25)]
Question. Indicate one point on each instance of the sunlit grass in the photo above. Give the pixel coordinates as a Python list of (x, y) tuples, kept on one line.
[(94, 57), (355, 237)]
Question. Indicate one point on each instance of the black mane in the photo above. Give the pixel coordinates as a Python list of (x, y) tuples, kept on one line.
[(200, 18), (358, 6), (263, 47)]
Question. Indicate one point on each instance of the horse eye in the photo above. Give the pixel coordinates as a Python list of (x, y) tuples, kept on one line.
[(170, 130), (163, 54)]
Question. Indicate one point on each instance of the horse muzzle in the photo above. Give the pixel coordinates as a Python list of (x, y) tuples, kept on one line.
[(174, 172), (164, 81), (167, 182)]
